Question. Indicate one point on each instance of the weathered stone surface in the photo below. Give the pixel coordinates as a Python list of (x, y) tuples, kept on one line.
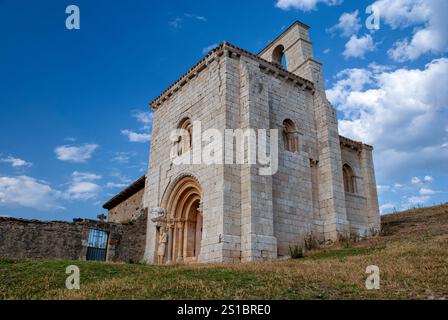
[(33, 239), (127, 210), (131, 245), (247, 216)]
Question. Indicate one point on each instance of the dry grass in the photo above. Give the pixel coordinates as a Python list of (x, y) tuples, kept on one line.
[(412, 254)]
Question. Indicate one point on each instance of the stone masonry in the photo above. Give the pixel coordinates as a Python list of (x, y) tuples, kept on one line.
[(325, 187), (34, 239)]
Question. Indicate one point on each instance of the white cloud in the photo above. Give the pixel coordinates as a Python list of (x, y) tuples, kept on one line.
[(349, 24), (415, 201), (349, 80), (427, 191), (382, 188), (144, 117), (85, 176), (24, 191), (304, 5), (77, 154), (387, 207), (401, 112), (16, 162), (415, 180), (426, 179), (358, 47), (196, 17), (428, 18), (83, 190), (136, 136), (82, 186), (28, 192), (123, 157), (113, 185), (177, 22), (209, 48)]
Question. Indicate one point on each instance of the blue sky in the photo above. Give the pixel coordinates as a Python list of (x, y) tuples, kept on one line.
[(75, 121)]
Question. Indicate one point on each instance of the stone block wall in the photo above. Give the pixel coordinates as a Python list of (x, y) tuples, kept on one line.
[(128, 209), (362, 204), (37, 239), (34, 239), (201, 99), (129, 243)]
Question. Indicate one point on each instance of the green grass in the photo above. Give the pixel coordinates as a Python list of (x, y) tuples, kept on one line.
[(341, 253), (412, 256)]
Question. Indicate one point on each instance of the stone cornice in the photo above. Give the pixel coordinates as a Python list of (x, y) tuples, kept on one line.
[(352, 144), (228, 49)]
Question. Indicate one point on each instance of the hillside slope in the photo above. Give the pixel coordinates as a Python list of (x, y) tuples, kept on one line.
[(411, 253)]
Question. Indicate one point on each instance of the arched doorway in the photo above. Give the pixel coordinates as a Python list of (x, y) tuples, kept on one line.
[(184, 221)]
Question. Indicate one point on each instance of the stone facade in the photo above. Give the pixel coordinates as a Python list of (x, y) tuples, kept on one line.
[(127, 205), (245, 216), (127, 210)]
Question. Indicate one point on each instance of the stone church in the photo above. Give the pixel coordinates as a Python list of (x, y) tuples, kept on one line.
[(324, 186)]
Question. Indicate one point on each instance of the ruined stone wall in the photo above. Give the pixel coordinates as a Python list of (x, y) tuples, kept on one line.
[(34, 239), (130, 246), (127, 210)]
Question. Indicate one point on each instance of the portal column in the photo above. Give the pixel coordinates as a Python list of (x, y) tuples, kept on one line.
[(180, 228), (170, 243)]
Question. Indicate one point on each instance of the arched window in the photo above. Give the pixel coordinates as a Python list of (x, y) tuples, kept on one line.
[(184, 142), (349, 179), (278, 56), (290, 136)]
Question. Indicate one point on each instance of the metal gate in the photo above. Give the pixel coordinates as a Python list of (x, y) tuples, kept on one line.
[(97, 245)]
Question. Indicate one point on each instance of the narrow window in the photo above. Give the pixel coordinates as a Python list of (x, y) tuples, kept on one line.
[(290, 136), (349, 179), (183, 144)]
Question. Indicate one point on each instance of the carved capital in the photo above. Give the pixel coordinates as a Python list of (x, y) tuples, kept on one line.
[(158, 215)]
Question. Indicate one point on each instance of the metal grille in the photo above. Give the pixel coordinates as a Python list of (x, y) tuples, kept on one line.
[(97, 245)]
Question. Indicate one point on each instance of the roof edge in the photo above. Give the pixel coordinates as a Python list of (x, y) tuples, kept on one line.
[(126, 193), (202, 64)]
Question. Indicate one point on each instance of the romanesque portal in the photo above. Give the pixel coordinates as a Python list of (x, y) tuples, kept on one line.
[(183, 223)]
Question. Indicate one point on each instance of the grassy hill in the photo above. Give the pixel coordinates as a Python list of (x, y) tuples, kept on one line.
[(411, 252)]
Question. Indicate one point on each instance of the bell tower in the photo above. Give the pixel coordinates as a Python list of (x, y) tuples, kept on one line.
[(295, 47)]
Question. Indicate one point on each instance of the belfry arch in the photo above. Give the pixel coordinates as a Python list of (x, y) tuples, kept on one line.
[(184, 221)]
